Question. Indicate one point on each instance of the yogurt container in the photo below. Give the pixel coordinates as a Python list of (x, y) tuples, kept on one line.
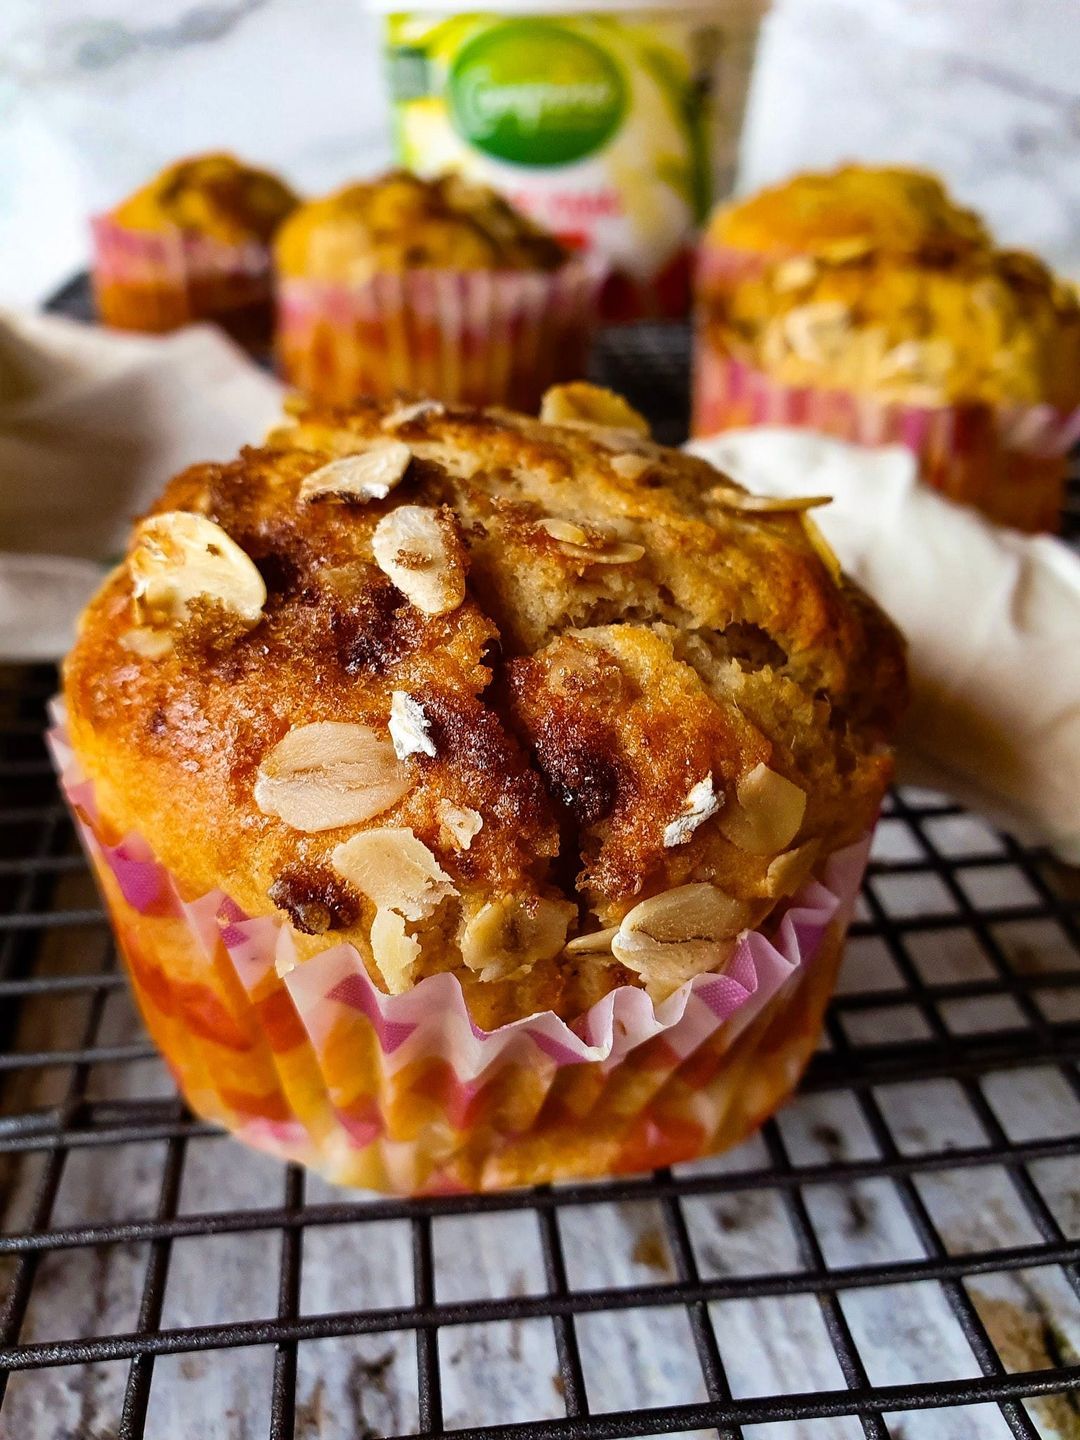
[(615, 126)]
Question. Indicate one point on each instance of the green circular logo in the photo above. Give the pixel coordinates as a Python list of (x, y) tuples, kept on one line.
[(534, 93)]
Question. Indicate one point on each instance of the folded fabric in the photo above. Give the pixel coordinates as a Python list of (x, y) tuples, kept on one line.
[(92, 424), (992, 620)]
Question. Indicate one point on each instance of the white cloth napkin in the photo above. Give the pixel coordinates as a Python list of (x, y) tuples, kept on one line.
[(92, 424), (992, 620)]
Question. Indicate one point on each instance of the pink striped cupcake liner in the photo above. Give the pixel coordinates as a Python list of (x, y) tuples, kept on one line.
[(722, 267), (478, 337), (1007, 460), (158, 280)]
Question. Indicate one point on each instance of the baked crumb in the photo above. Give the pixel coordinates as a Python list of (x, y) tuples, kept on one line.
[(561, 738)]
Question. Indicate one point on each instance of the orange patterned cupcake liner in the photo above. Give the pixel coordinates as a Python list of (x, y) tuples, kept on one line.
[(406, 1093)]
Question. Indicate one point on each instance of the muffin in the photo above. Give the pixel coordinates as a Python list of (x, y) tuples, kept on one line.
[(193, 244), (891, 333), (838, 216), (479, 799), (435, 286)]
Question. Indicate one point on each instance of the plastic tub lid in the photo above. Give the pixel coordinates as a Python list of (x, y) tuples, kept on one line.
[(745, 11)]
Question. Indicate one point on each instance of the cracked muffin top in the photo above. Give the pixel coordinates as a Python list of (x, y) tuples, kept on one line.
[(213, 195), (402, 222), (850, 211), (538, 702)]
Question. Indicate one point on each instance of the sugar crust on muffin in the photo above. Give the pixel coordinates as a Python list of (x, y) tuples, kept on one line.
[(402, 222), (561, 709), (214, 195), (849, 211)]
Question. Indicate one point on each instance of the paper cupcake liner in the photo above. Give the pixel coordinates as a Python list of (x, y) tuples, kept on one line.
[(480, 337), (406, 1093), (1008, 460), (160, 280)]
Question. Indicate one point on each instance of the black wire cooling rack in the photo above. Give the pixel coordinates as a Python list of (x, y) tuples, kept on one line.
[(895, 1255)]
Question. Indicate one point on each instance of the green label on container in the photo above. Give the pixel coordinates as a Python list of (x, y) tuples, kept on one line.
[(535, 93), (410, 75)]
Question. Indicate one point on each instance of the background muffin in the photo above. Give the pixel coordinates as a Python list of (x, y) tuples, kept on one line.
[(437, 286), (995, 329), (539, 712), (193, 244), (896, 321)]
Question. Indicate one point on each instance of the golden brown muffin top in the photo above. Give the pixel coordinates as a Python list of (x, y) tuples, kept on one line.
[(213, 195), (991, 327), (463, 687), (402, 222), (848, 212)]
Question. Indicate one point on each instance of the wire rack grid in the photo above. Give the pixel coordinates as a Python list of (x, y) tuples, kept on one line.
[(895, 1255)]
